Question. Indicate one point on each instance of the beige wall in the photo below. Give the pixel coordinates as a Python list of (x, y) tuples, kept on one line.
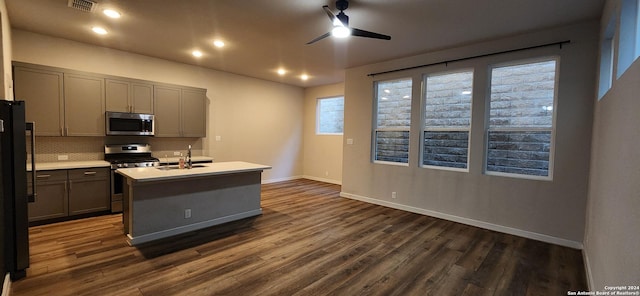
[(613, 220), (322, 153), (552, 211), (6, 86), (256, 120)]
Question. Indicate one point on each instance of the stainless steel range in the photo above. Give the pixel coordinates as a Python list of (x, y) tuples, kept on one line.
[(126, 156)]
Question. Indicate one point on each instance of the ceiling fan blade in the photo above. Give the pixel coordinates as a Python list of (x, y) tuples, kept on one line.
[(367, 34), (325, 35), (332, 16)]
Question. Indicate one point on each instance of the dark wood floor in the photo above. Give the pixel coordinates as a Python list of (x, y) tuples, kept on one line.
[(309, 241)]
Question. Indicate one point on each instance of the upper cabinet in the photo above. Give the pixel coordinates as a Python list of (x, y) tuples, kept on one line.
[(65, 102), (43, 92), (180, 112), (83, 105), (194, 115), (129, 96), (61, 104)]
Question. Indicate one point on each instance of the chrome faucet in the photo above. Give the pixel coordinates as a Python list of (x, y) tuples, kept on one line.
[(189, 163)]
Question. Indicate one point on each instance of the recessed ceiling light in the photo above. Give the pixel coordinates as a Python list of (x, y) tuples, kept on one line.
[(218, 43), (304, 77), (466, 92), (282, 71), (387, 91), (99, 30), (196, 53), (111, 13)]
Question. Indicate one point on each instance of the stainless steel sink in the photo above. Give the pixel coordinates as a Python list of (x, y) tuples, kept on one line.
[(175, 167)]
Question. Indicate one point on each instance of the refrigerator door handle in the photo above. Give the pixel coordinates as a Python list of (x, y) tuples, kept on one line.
[(31, 126)]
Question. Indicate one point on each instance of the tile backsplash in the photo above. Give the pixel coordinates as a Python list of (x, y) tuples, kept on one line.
[(49, 149)]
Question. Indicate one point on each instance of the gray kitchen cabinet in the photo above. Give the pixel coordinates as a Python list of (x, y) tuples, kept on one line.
[(43, 92), (51, 200), (84, 105), (61, 103), (62, 193), (194, 115), (89, 190), (180, 112), (129, 96)]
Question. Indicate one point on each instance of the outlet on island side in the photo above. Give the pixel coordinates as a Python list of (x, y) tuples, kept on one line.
[(393, 194), (187, 213)]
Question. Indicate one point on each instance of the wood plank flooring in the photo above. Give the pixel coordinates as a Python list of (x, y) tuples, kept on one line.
[(308, 241)]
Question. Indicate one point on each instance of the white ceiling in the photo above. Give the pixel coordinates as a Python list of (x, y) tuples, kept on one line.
[(262, 35)]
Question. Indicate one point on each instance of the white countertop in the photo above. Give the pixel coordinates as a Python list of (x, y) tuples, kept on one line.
[(148, 174), (65, 165)]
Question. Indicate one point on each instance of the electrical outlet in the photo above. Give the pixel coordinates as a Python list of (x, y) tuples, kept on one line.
[(393, 194), (176, 153), (63, 157), (218, 138), (326, 173), (349, 141), (187, 213)]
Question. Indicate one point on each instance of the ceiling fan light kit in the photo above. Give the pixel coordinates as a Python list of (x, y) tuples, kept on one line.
[(341, 27)]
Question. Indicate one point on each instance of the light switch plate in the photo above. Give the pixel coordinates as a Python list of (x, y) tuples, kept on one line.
[(349, 141)]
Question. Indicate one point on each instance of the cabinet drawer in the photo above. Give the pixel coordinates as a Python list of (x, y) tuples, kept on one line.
[(88, 174), (45, 176)]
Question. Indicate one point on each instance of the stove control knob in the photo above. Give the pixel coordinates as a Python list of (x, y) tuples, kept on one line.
[(125, 165)]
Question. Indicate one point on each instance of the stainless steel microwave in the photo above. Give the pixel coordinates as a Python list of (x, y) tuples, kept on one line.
[(129, 124)]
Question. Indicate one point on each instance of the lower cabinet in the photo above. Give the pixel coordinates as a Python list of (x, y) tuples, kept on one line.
[(63, 193)]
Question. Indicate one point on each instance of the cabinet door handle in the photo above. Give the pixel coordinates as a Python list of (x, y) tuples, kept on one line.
[(89, 173), (43, 176), (66, 131), (69, 185)]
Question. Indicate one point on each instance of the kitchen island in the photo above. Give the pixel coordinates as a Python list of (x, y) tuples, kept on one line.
[(160, 202)]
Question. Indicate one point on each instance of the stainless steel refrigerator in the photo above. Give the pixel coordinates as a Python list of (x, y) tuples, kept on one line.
[(14, 193)]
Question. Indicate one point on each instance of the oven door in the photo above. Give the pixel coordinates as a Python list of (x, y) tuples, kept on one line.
[(116, 191)]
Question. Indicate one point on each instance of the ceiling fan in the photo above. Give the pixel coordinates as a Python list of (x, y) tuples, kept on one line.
[(341, 27)]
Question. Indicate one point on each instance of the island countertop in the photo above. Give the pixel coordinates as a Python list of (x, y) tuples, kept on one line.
[(149, 174)]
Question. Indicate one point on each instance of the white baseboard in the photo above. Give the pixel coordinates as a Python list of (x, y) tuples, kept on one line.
[(472, 222), (281, 179), (6, 285), (337, 182), (587, 268)]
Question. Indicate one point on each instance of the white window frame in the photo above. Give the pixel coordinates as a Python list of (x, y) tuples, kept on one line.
[(628, 35), (318, 116), (423, 106), (375, 128), (607, 59), (488, 129)]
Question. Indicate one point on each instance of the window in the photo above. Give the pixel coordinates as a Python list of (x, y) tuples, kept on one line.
[(607, 49), (627, 48), (330, 116), (522, 106), (447, 120), (392, 121)]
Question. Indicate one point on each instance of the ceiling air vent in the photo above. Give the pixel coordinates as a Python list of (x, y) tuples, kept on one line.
[(84, 5)]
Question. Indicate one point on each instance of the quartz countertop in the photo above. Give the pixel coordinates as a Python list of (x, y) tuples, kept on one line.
[(65, 165), (148, 174)]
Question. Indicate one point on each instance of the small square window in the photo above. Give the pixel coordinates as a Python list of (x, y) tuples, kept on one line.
[(330, 116)]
